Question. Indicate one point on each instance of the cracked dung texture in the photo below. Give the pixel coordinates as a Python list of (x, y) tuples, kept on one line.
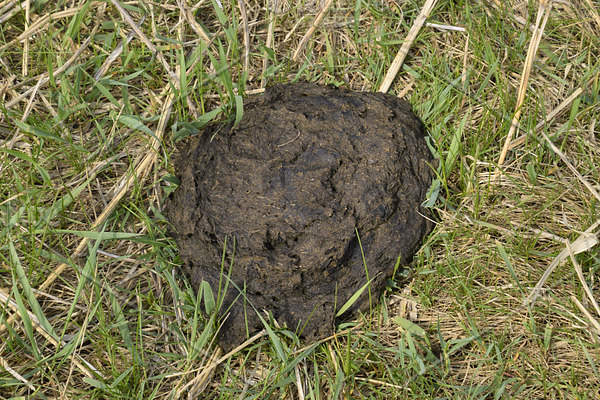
[(307, 168)]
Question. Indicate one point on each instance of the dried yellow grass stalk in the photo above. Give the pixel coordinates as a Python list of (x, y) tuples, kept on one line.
[(127, 18), (121, 188), (15, 374), (194, 25), (594, 12), (206, 371), (114, 55), (311, 30), (246, 27), (571, 167), (551, 115), (24, 69), (45, 21), (410, 38), (45, 78), (268, 44), (584, 242), (586, 288), (542, 17), (85, 367)]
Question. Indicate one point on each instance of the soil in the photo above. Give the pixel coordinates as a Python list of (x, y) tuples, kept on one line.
[(310, 180)]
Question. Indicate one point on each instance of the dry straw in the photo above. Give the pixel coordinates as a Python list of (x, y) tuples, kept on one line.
[(311, 30), (196, 377), (544, 9), (136, 174), (410, 38), (584, 242)]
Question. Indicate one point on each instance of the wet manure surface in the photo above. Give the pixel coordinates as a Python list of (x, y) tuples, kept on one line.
[(310, 175)]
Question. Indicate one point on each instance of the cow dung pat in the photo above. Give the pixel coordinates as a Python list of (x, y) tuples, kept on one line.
[(312, 179)]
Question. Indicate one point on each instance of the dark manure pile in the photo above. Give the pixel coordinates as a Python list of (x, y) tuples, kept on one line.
[(311, 175)]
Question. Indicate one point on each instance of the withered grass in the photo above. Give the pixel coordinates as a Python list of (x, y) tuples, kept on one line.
[(502, 300)]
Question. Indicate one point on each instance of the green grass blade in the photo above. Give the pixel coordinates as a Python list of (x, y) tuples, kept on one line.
[(104, 90), (27, 323), (136, 123), (93, 234), (38, 132), (194, 128), (353, 299), (122, 324), (509, 265), (209, 298), (43, 173), (239, 109), (28, 291), (455, 146), (58, 206), (338, 385), (409, 326)]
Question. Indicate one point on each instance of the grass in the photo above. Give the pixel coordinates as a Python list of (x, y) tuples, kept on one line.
[(91, 303)]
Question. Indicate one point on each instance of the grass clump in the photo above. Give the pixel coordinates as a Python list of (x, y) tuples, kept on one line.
[(94, 94)]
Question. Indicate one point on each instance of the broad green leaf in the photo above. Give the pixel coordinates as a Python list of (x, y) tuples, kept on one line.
[(50, 212), (508, 264), (135, 123), (409, 326), (455, 145), (121, 324), (353, 299), (458, 344), (107, 94), (26, 158), (28, 291), (433, 193), (209, 298), (93, 234), (95, 383), (34, 130), (239, 109), (194, 128), (27, 324)]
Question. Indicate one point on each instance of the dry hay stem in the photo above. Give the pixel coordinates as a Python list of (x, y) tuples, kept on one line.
[(199, 382), (510, 212), (562, 218), (45, 78), (497, 4), (195, 26), (586, 288), (197, 385), (595, 324), (410, 38), (557, 111), (202, 375), (562, 156), (15, 374), (137, 173), (44, 21), (311, 30), (584, 242), (502, 224), (24, 69), (246, 28), (83, 365), (268, 44), (588, 239), (545, 7), (470, 365), (141, 36), (116, 52)]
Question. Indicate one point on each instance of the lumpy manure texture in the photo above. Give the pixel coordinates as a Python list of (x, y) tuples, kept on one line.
[(309, 176)]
